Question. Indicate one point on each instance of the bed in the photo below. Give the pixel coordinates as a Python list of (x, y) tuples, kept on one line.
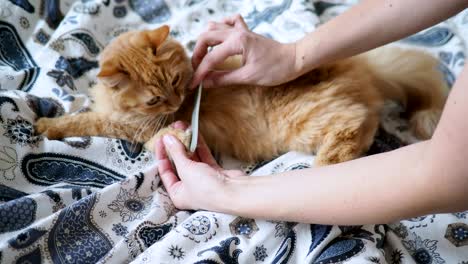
[(99, 200)]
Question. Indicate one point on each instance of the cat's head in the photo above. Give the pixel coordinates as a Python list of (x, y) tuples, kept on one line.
[(145, 72)]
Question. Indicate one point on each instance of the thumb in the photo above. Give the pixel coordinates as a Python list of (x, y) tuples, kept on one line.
[(234, 173), (176, 150), (224, 78)]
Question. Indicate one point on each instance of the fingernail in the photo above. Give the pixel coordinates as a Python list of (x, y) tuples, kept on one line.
[(169, 140)]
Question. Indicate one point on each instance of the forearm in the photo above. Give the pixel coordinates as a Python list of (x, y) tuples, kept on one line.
[(374, 189), (428, 177), (449, 145), (368, 25)]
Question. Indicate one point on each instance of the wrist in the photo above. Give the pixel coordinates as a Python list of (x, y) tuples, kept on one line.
[(234, 195), (287, 54), (299, 57), (252, 197), (305, 60)]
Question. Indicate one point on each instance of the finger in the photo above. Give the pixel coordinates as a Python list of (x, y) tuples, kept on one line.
[(204, 153), (169, 178), (215, 57), (167, 174), (236, 21), (164, 166), (173, 187), (228, 21), (177, 152), (205, 40), (180, 125), (183, 126), (159, 150), (234, 173), (223, 78), (217, 26)]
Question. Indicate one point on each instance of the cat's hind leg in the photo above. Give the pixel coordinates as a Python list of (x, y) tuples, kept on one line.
[(347, 140)]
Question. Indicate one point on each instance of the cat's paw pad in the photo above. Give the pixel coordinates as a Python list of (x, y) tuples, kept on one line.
[(183, 136), (47, 127)]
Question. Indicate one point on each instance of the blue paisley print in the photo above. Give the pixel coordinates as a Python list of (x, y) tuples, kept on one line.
[(74, 224), (8, 101), (7, 193), (52, 13), (26, 238), (286, 248), (50, 168), (101, 200), (17, 214), (226, 251), (88, 41), (150, 233), (340, 249), (14, 54), (32, 257), (433, 37), (318, 234), (76, 67), (45, 107), (254, 18), (155, 11), (24, 4)]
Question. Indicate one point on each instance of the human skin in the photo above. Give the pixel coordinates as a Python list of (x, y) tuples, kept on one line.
[(428, 177), (367, 25)]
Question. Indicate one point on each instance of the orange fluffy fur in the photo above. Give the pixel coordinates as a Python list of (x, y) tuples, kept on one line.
[(332, 111)]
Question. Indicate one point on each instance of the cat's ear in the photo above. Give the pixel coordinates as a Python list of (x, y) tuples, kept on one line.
[(159, 35), (110, 75)]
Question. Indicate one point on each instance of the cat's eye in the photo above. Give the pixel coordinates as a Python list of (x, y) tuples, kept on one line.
[(154, 101), (176, 80)]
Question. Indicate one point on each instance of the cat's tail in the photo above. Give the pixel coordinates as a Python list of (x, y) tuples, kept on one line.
[(412, 78)]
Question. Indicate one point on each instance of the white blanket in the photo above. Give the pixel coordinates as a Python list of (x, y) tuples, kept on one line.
[(88, 200)]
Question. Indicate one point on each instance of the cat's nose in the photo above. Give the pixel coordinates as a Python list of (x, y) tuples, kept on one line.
[(174, 100)]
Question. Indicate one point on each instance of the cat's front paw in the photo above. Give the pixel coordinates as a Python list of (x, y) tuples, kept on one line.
[(48, 128), (183, 136)]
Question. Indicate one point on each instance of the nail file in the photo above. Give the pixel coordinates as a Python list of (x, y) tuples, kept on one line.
[(195, 119)]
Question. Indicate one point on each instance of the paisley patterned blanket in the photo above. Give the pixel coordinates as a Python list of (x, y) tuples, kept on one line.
[(88, 200)]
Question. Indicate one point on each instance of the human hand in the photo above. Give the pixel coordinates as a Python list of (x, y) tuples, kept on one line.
[(265, 62), (201, 183)]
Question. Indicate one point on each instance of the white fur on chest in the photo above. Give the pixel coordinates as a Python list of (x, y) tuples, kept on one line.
[(101, 100)]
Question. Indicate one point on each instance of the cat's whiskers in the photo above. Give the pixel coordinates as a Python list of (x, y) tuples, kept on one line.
[(155, 123), (109, 126), (141, 128), (159, 122), (162, 123)]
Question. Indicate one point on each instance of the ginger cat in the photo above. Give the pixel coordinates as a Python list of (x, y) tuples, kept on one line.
[(332, 111)]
